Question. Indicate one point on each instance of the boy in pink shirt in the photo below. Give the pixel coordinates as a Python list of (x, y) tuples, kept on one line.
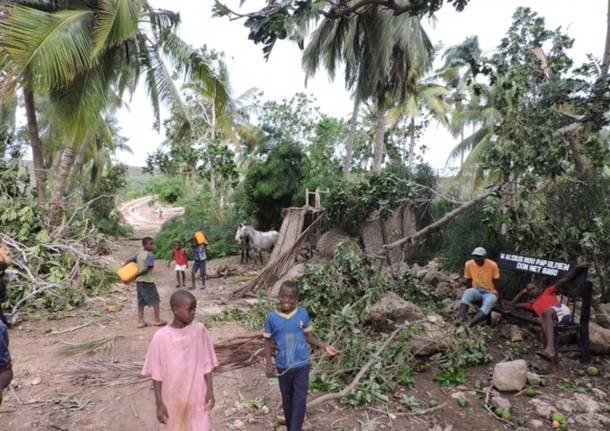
[(180, 361)]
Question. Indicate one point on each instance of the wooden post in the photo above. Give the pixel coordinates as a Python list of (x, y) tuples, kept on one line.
[(306, 197), (317, 198)]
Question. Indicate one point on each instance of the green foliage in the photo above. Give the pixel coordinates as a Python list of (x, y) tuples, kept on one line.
[(67, 278), (102, 196), (169, 190), (201, 212), (271, 182)]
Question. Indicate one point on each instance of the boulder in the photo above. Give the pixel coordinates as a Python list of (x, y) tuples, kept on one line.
[(510, 376), (599, 338), (435, 337), (392, 310), (329, 241)]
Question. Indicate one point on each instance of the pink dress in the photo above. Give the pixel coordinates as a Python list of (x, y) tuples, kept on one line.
[(179, 359)]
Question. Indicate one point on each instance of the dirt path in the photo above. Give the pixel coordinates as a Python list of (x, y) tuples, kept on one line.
[(145, 219), (46, 399)]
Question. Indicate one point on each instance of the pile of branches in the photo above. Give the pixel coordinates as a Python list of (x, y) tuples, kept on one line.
[(53, 273), (233, 354)]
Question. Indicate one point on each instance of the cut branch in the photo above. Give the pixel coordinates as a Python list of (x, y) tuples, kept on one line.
[(440, 222), (361, 373)]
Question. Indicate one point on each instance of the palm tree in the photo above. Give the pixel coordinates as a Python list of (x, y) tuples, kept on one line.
[(383, 56), (85, 55), (425, 98)]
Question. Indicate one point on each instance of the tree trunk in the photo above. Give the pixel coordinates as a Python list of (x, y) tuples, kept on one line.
[(411, 144), (583, 167), (606, 57), (213, 178), (440, 222), (63, 175), (40, 173), (378, 149), (351, 138)]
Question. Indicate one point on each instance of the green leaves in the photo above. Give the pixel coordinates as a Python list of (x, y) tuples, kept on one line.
[(116, 21), (52, 48)]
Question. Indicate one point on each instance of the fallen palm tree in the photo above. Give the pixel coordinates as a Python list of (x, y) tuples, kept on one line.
[(233, 354)]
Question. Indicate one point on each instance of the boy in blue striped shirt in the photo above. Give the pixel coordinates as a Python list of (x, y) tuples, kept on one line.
[(292, 332), (6, 370)]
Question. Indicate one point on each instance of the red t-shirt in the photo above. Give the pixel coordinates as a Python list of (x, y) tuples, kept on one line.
[(547, 299), (180, 256)]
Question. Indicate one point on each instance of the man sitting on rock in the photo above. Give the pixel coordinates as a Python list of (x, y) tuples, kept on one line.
[(549, 308), (482, 276)]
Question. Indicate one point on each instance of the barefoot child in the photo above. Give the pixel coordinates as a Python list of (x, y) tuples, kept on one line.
[(179, 255), (291, 330), (180, 361), (548, 308), (145, 282), (6, 370)]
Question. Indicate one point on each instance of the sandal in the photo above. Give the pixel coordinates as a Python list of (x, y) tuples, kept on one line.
[(143, 325), (161, 323)]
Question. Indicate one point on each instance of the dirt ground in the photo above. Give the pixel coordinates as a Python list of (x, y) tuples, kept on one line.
[(42, 398)]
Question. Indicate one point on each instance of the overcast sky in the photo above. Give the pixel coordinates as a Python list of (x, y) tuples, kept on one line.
[(281, 76)]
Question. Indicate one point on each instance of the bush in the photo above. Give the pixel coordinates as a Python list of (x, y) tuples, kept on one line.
[(201, 214), (169, 190)]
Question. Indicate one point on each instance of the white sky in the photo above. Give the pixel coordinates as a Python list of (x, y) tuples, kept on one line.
[(282, 76)]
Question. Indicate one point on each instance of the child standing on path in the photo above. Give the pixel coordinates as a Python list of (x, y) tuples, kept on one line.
[(6, 370), (180, 361), (145, 282), (179, 255), (200, 258), (291, 330)]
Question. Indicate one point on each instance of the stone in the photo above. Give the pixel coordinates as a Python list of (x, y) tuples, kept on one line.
[(436, 277), (592, 421), (239, 424), (516, 333), (536, 423), (599, 394), (533, 379), (230, 412), (444, 290), (599, 338), (510, 376), (542, 408), (495, 318), (498, 401), (568, 406), (602, 316), (435, 337), (421, 274), (265, 410), (587, 404), (392, 310)]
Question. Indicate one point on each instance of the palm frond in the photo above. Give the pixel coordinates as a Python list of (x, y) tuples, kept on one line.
[(116, 21), (53, 48), (193, 66), (105, 345), (468, 144)]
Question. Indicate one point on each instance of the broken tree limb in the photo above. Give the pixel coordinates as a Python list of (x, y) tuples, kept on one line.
[(361, 373), (440, 222)]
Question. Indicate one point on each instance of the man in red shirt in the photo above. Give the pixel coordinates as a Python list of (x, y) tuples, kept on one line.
[(179, 255), (549, 308)]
